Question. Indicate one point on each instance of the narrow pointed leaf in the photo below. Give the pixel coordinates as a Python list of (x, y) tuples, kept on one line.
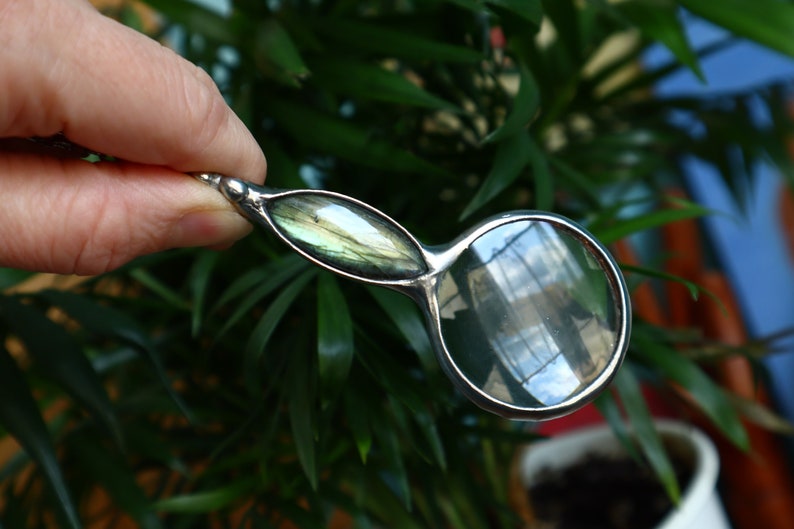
[(302, 414), (208, 500), (258, 339), (405, 315), (159, 288), (276, 54), (104, 320), (389, 444), (257, 284), (393, 378), (198, 18), (389, 42), (703, 391), (59, 357), (647, 221), (741, 17), (334, 336), (116, 478), (10, 277), (525, 105), (511, 158), (694, 289), (370, 81), (541, 176), (379, 498), (576, 180), (20, 417), (424, 420), (198, 280), (358, 422), (529, 10), (658, 20), (645, 433), (608, 407), (340, 137), (150, 445)]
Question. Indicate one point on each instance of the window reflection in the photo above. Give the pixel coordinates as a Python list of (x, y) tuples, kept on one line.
[(528, 315)]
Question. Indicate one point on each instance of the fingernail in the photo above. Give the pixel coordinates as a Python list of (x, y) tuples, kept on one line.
[(217, 228)]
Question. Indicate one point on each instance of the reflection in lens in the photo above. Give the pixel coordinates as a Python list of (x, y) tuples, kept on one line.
[(528, 314)]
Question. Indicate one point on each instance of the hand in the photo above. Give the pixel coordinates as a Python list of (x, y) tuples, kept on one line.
[(66, 68)]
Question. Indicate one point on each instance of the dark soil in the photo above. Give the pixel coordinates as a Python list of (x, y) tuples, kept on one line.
[(602, 492)]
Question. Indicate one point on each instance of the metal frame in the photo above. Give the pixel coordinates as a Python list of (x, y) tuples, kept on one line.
[(251, 201)]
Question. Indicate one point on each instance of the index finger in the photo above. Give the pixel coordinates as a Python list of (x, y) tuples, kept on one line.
[(68, 68)]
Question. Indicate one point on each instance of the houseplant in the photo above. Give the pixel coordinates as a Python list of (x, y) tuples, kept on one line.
[(243, 389)]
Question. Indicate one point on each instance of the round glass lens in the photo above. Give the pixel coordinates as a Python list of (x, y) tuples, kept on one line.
[(528, 314)]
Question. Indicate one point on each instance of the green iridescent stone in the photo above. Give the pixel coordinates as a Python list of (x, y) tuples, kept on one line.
[(346, 236)]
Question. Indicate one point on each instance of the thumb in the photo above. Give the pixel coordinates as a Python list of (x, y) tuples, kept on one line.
[(69, 216)]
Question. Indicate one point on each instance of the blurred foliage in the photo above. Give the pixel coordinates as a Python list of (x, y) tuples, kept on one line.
[(244, 389)]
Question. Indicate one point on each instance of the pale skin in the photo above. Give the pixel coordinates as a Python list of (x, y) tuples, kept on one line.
[(66, 68)]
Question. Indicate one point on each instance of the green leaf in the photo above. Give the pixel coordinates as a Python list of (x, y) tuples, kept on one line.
[(115, 477), (658, 21), (404, 313), (209, 500), (761, 415), (340, 137), (20, 417), (151, 445), (427, 425), (104, 320), (390, 448), (198, 19), (525, 105), (541, 176), (334, 336), (566, 17), (199, 279), (358, 422), (302, 414), (393, 378), (257, 283), (704, 391), (645, 432), (259, 337), (574, 179), (529, 10), (10, 277), (375, 493), (388, 42), (59, 357), (768, 22), (159, 288), (512, 156), (608, 407), (369, 81), (276, 55), (646, 80), (647, 221), (693, 288)]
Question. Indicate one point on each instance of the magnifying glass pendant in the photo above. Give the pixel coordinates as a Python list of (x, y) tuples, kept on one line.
[(528, 313)]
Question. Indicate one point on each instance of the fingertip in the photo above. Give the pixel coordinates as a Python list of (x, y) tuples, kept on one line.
[(212, 228)]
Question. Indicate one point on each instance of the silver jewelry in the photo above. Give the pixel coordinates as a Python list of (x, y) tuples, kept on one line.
[(528, 313)]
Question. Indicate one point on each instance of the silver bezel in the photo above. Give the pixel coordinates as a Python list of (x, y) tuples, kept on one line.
[(251, 201)]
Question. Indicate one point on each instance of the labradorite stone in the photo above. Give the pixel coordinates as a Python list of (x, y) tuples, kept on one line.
[(528, 314), (346, 236)]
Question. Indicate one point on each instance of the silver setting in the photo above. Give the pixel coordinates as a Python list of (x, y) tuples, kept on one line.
[(543, 302)]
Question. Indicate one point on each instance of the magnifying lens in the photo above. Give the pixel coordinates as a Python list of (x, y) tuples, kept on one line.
[(528, 313)]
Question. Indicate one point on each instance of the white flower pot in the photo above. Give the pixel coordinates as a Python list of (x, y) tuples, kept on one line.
[(700, 506)]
